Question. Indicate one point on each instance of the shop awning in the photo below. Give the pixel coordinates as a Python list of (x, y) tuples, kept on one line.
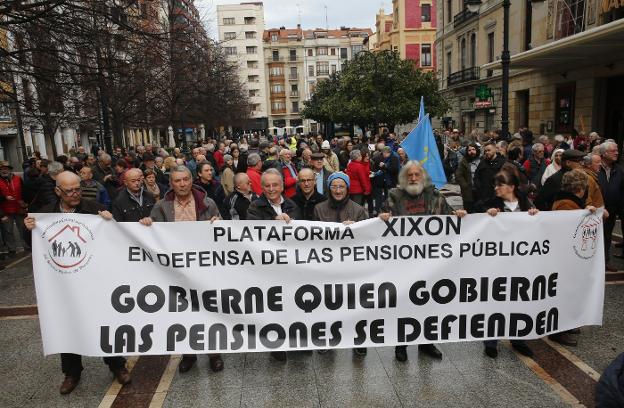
[(599, 45)]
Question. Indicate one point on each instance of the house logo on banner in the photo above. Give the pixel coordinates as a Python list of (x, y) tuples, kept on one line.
[(68, 246), (586, 237)]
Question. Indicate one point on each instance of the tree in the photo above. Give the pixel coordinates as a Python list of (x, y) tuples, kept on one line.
[(373, 89)]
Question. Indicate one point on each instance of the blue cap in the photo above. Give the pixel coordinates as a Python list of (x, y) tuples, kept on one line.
[(339, 175)]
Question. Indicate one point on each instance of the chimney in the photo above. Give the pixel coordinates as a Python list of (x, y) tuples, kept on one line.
[(282, 28), (299, 26)]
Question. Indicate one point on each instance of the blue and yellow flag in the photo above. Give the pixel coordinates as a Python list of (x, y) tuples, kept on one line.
[(420, 145)]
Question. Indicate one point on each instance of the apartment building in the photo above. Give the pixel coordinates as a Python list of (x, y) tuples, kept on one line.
[(409, 30), (566, 72), (325, 53), (241, 30)]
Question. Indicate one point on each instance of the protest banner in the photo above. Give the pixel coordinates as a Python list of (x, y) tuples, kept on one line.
[(107, 288)]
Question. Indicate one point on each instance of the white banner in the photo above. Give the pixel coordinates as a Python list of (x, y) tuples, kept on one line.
[(107, 288)]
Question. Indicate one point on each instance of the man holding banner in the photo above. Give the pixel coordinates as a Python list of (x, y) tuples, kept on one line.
[(70, 201), (416, 195)]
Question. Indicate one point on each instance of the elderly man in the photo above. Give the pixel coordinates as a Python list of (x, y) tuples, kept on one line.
[(185, 202), (133, 203), (330, 161), (238, 202), (254, 172), (11, 207), (611, 180), (415, 195), (321, 174), (91, 189), (104, 174), (272, 205), (70, 201), (289, 172), (307, 196), (535, 166)]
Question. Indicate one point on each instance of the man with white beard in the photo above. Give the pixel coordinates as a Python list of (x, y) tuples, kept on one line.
[(415, 195)]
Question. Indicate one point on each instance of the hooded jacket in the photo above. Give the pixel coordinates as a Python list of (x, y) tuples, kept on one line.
[(205, 207)]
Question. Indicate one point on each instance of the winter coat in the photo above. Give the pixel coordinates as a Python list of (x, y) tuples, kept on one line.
[(496, 202), (391, 170), (565, 200), (236, 205), (535, 170), (306, 205), (227, 180), (45, 195), (612, 190), (261, 209), (594, 195), (331, 163), (214, 191), (290, 179), (11, 187), (463, 176), (351, 211), (358, 173), (546, 196), (610, 387), (429, 202), (126, 209), (205, 207), (254, 179), (484, 177)]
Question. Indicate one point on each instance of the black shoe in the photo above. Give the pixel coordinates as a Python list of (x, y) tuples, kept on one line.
[(322, 351), (279, 355), (430, 350), (69, 384), (360, 351), (400, 352), (491, 352), (188, 361), (522, 348), (216, 363)]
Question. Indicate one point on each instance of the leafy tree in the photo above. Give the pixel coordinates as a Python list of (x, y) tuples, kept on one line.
[(373, 89)]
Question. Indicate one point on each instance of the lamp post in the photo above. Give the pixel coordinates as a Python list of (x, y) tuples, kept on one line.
[(473, 6)]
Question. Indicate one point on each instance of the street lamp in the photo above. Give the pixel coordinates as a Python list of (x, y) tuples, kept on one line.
[(473, 6)]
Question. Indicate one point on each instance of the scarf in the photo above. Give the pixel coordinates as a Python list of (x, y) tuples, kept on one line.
[(338, 205)]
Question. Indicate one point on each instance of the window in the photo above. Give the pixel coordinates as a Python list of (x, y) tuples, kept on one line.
[(252, 64), (425, 58), (252, 78), (322, 68), (277, 88), (564, 108), (276, 71), (569, 18), (230, 51), (229, 36), (293, 72), (425, 12), (333, 68), (250, 35), (462, 54), (356, 49), (252, 50), (253, 92), (294, 88), (278, 106), (311, 70), (490, 40), (5, 112), (28, 96), (343, 53), (332, 51), (295, 107), (293, 55), (275, 54), (250, 20), (449, 63), (274, 37), (321, 51), (229, 21), (449, 11), (473, 50), (310, 52)]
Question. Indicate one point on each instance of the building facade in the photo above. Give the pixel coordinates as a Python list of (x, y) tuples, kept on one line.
[(241, 29), (409, 30), (566, 72)]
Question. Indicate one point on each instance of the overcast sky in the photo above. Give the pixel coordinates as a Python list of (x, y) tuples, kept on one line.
[(349, 13)]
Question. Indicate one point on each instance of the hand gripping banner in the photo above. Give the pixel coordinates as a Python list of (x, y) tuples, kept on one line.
[(106, 288)]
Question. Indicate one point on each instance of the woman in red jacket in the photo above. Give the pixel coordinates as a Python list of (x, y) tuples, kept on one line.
[(289, 173), (359, 173)]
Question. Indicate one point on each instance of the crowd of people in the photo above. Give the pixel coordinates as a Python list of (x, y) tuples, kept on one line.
[(309, 178)]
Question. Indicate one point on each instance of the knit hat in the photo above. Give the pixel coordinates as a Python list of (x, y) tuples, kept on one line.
[(339, 175), (325, 145)]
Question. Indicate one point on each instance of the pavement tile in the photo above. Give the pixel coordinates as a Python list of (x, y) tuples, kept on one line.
[(201, 398), (201, 377), (281, 396), (291, 373), (378, 392)]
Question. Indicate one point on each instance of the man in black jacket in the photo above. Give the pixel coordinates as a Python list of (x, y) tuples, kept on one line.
[(70, 201), (205, 180), (238, 202), (272, 205), (611, 180), (570, 160), (307, 197), (134, 202), (487, 169)]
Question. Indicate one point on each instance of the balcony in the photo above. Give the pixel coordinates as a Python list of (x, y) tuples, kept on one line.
[(294, 94), (278, 111), (293, 77), (468, 74), (278, 95), (322, 73), (462, 17)]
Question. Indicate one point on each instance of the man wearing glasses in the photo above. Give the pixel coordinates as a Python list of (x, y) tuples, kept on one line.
[(307, 196), (70, 201)]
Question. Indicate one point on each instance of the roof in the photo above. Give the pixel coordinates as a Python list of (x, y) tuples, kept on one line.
[(285, 33)]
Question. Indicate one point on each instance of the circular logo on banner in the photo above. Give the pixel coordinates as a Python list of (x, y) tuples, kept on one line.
[(67, 245), (586, 237)]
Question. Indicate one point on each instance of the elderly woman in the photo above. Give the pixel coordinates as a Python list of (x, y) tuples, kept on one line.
[(339, 208), (153, 186), (554, 166), (227, 175), (508, 199)]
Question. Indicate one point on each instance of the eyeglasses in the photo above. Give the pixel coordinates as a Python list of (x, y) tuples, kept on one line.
[(307, 180), (71, 191), (338, 187)]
